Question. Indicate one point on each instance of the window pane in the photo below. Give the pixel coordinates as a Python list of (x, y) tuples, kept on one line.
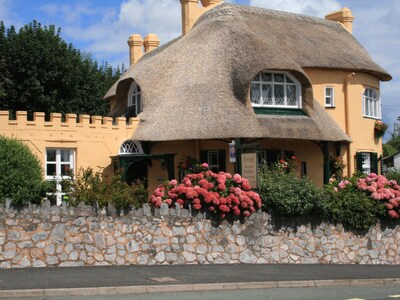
[(328, 92), (279, 77), (51, 170), (288, 80), (137, 89), (291, 95), (266, 77), (51, 154), (279, 95), (64, 155), (138, 105), (267, 94), (65, 170), (255, 93)]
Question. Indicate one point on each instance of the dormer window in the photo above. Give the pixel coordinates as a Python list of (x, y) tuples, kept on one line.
[(275, 90), (134, 100)]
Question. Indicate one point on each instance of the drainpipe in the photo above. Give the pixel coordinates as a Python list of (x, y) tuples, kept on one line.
[(347, 119)]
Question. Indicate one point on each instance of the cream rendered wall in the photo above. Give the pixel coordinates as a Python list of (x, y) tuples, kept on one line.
[(94, 139), (359, 128)]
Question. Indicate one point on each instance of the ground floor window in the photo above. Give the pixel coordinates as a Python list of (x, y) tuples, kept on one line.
[(367, 162), (59, 165), (216, 160)]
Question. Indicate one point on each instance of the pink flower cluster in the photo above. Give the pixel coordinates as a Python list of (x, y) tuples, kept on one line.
[(381, 189), (221, 194)]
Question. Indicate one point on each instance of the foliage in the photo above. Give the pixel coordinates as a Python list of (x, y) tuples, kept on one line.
[(39, 71), (336, 166), (393, 174), (395, 143), (88, 186), (21, 174), (190, 165), (222, 194), (286, 193), (352, 207), (389, 150), (379, 128), (290, 165)]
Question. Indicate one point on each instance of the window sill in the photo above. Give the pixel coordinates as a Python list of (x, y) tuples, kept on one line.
[(278, 111), (373, 118), (330, 107)]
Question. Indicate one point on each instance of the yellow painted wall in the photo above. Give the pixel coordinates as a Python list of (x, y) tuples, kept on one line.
[(94, 139), (359, 128)]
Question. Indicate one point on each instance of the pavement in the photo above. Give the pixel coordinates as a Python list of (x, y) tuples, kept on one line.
[(114, 280)]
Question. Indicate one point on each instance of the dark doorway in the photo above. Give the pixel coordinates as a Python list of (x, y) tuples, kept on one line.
[(137, 170)]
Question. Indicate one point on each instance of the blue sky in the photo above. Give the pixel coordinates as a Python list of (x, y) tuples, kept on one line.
[(102, 27)]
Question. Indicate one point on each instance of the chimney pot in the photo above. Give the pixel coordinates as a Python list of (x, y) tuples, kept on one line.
[(135, 43), (343, 16), (151, 42)]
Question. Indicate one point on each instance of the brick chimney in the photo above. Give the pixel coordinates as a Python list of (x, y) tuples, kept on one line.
[(151, 42), (191, 11), (343, 16), (135, 43)]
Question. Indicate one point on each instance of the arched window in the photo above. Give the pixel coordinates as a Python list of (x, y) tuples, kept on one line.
[(371, 104), (131, 147), (275, 89), (134, 100)]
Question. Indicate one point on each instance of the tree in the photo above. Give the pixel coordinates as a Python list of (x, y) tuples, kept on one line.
[(39, 71), (21, 174)]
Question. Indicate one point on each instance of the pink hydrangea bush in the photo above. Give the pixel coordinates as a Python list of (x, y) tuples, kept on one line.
[(377, 187), (220, 194)]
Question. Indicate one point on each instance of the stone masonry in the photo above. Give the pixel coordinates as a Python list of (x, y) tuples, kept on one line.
[(62, 236)]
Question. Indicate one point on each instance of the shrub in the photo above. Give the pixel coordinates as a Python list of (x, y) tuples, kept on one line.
[(352, 207), (222, 195), (88, 186), (393, 174), (287, 194), (21, 174)]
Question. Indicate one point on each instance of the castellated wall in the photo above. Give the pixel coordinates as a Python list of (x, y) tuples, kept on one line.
[(94, 138), (50, 236)]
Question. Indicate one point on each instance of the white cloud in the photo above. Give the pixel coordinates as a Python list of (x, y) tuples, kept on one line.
[(109, 35), (7, 15), (316, 8)]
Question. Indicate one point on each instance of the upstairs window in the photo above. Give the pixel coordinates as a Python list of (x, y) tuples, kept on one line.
[(275, 89), (371, 104), (329, 97), (134, 100)]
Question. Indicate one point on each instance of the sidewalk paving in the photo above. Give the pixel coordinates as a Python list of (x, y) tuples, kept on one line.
[(74, 281)]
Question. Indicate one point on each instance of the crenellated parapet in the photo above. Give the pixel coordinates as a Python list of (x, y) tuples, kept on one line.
[(70, 121), (93, 139)]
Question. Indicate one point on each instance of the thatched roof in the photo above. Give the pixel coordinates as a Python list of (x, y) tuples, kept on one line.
[(196, 87)]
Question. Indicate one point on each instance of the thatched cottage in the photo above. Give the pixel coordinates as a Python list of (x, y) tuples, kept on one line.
[(241, 85), (277, 84)]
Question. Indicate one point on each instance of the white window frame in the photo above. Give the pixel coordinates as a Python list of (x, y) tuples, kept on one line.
[(260, 82), (371, 103), (331, 97), (366, 162), (213, 167), (58, 177), (135, 98), (131, 147)]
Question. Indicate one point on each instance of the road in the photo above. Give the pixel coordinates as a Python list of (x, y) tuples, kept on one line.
[(388, 292)]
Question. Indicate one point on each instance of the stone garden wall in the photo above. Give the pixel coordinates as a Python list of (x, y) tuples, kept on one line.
[(65, 236)]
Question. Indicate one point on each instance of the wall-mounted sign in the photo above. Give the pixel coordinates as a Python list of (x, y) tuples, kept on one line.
[(232, 152), (249, 168)]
